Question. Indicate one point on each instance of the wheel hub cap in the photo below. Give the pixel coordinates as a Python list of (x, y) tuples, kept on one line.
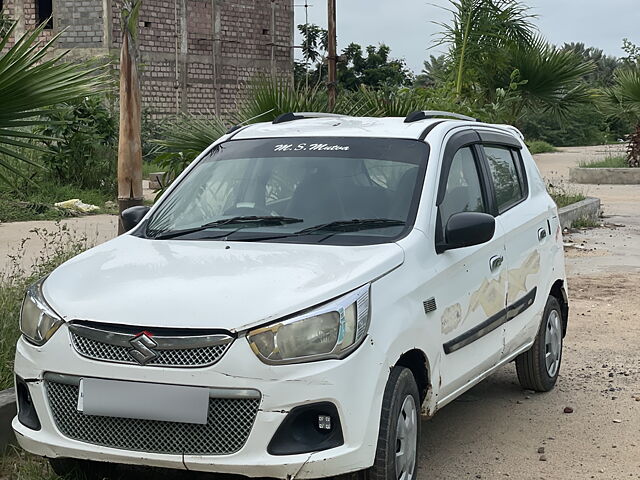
[(553, 343), (407, 440)]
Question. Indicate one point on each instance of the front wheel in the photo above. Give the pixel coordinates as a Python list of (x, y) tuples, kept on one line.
[(397, 451), (538, 368)]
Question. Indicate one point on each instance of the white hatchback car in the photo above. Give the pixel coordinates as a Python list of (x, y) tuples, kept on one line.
[(295, 298)]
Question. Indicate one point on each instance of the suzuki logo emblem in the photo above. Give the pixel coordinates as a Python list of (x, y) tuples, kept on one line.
[(142, 350)]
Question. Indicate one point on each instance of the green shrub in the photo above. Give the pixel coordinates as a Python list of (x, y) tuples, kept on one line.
[(585, 125), (540, 146), (609, 162), (82, 144), (59, 246)]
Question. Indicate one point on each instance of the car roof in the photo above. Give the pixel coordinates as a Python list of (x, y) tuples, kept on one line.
[(347, 126)]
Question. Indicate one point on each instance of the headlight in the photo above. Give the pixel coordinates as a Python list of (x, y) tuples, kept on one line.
[(331, 331), (38, 321)]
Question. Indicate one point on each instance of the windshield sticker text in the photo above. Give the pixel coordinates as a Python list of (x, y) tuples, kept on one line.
[(303, 147)]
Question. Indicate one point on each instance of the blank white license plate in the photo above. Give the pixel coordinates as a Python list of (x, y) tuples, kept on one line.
[(145, 401)]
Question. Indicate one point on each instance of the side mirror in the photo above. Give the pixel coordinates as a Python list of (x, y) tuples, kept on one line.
[(466, 229), (132, 216)]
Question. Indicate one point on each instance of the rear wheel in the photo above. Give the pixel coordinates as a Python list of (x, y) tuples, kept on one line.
[(397, 452), (538, 368)]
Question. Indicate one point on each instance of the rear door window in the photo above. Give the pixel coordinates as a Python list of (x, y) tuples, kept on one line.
[(508, 179)]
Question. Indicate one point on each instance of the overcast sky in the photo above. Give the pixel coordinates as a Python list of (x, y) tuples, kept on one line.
[(406, 25)]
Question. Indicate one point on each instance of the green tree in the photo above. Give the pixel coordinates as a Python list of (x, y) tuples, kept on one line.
[(370, 67), (435, 72), (604, 65), (32, 78), (497, 60), (624, 96), (480, 32), (376, 69)]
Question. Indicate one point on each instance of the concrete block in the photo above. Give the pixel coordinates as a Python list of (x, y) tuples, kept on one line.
[(609, 176), (589, 208)]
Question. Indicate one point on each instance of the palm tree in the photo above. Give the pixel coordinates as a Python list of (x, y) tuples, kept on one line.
[(130, 141), (625, 97), (499, 61), (31, 79), (548, 79), (479, 34)]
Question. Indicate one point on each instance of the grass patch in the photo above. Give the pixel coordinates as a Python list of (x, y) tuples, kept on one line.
[(540, 146), (59, 246), (610, 162), (565, 195), (584, 223), (37, 203), (564, 199), (19, 465)]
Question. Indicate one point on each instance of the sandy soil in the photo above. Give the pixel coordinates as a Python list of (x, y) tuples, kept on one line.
[(497, 430)]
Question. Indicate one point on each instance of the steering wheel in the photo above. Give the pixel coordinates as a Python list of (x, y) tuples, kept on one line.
[(248, 211)]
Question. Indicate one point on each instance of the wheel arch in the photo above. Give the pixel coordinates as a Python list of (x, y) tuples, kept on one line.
[(416, 361), (559, 292)]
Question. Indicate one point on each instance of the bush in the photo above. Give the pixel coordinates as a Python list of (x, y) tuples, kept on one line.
[(82, 144), (59, 246), (540, 146), (584, 126)]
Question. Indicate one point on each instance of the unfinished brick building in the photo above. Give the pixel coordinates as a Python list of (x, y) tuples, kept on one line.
[(197, 55)]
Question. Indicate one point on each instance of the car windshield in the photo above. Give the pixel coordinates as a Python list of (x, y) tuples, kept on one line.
[(303, 190)]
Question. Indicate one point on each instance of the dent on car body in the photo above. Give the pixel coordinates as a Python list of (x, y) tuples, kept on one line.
[(490, 296), (518, 276), (451, 318)]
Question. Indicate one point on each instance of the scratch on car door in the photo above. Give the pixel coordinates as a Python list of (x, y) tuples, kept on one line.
[(518, 276)]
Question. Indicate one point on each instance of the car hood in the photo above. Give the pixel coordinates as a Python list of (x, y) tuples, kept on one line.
[(208, 284)]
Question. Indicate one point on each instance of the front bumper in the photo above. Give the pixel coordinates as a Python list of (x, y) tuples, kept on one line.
[(354, 385)]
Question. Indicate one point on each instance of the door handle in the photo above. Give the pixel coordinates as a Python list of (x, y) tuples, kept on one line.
[(542, 234), (495, 262)]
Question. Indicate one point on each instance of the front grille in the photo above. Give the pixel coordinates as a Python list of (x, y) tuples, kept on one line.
[(229, 423), (187, 357), (160, 348)]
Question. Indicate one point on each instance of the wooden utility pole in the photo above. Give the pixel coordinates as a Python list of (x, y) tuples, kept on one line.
[(333, 57)]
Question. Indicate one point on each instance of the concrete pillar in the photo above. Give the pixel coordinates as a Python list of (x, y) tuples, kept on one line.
[(216, 51), (107, 21), (183, 57)]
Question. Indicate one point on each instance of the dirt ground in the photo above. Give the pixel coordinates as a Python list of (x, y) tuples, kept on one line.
[(497, 430)]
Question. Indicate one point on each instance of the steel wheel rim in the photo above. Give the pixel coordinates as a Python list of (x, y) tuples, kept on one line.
[(407, 440), (553, 343)]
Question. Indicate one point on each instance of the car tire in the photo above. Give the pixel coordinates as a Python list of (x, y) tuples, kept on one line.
[(85, 469), (539, 367), (399, 433)]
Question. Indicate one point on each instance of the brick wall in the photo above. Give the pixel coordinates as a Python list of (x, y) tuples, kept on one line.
[(196, 55), (25, 12), (178, 65), (83, 21)]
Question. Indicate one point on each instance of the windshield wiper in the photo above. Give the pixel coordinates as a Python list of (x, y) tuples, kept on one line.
[(245, 220), (352, 225)]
